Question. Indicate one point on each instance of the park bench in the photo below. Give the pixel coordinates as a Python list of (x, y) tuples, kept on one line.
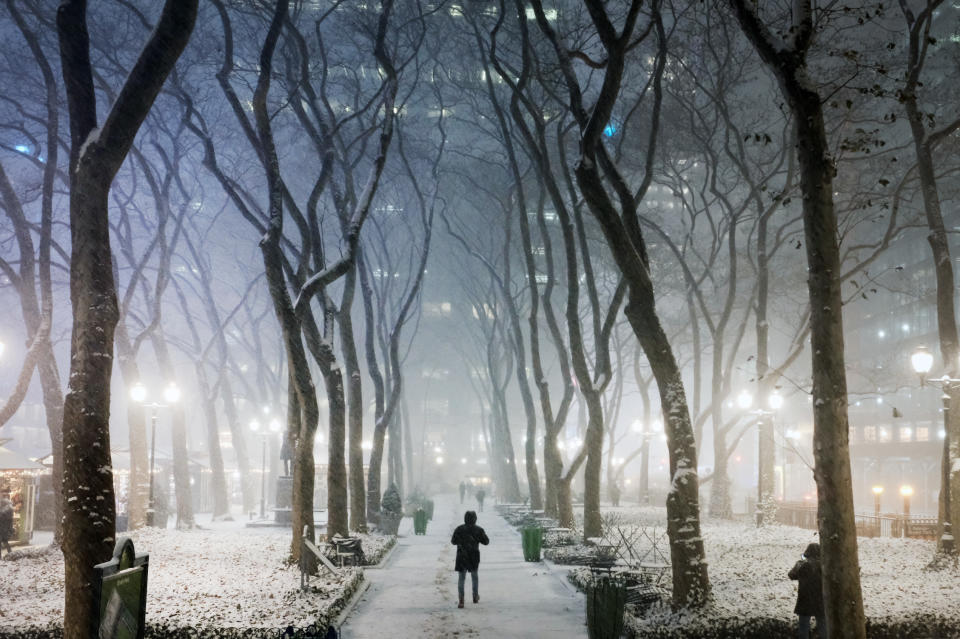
[(348, 550)]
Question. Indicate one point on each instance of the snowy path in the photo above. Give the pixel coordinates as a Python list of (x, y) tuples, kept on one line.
[(415, 595)]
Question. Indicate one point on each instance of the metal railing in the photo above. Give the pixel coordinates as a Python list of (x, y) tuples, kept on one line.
[(803, 515)]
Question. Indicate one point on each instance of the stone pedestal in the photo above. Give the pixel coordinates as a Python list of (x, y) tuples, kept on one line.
[(284, 503)]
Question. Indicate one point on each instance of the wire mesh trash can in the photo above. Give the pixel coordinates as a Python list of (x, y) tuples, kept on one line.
[(606, 602), (532, 538)]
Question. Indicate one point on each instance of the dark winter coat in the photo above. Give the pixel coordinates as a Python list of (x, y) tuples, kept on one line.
[(467, 538), (6, 519), (810, 591)]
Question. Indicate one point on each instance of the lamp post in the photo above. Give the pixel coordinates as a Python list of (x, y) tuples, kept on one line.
[(274, 427), (139, 394), (922, 362), (775, 402), (906, 492), (877, 492)]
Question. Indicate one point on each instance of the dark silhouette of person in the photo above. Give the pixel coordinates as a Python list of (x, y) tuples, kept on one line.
[(463, 491), (467, 537), (480, 495), (6, 521), (809, 592)]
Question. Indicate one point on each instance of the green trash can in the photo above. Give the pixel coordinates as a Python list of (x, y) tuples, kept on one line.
[(606, 602), (532, 538), (420, 522)]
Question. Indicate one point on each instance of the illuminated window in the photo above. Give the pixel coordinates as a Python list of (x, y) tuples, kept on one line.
[(906, 434), (885, 435), (923, 434), (869, 433)]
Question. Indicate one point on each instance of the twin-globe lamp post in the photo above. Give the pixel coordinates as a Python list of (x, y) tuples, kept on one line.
[(272, 427), (775, 403), (139, 394), (922, 362)]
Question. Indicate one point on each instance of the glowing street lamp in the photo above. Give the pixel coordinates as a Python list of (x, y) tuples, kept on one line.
[(744, 400), (877, 492), (139, 394), (906, 492), (3, 347), (775, 401), (922, 362)]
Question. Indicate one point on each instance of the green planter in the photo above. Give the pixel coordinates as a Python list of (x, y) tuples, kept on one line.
[(420, 522), (606, 601), (532, 539)]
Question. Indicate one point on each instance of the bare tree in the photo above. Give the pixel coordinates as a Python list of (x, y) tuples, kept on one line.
[(786, 56), (95, 156), (617, 216)]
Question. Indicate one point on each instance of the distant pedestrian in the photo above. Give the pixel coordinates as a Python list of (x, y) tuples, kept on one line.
[(480, 495), (6, 521), (467, 537), (463, 491), (809, 592)]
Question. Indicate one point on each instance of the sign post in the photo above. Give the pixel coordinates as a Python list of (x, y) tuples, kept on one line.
[(120, 593)]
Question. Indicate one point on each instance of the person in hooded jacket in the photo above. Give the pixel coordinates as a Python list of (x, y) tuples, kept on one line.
[(809, 592), (467, 537), (6, 521)]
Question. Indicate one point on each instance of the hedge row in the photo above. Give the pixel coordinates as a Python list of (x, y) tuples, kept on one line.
[(931, 626)]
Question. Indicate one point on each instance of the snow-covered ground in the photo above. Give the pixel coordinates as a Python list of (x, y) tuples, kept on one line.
[(748, 572), (223, 576)]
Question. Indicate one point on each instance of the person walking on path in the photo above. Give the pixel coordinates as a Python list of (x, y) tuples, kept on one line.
[(463, 491), (480, 495), (6, 521), (467, 537), (809, 593)]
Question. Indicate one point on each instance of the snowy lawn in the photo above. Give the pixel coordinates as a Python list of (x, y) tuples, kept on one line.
[(748, 571), (228, 582)]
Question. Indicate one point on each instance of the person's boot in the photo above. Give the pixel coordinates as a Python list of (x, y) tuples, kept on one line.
[(476, 599), (460, 605)]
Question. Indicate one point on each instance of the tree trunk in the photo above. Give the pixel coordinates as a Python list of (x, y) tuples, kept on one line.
[(358, 493), (592, 520), (842, 596), (221, 502), (689, 566), (337, 507), (89, 515), (942, 262)]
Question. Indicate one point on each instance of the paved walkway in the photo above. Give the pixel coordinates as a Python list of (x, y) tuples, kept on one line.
[(415, 594)]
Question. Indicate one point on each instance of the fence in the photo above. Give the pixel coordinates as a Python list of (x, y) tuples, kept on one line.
[(802, 515)]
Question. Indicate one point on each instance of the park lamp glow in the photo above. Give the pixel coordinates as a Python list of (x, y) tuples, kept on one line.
[(3, 347), (744, 400), (906, 491), (254, 425), (878, 490), (922, 362), (138, 392), (439, 461), (775, 401), (366, 444), (637, 424), (274, 425), (171, 394)]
